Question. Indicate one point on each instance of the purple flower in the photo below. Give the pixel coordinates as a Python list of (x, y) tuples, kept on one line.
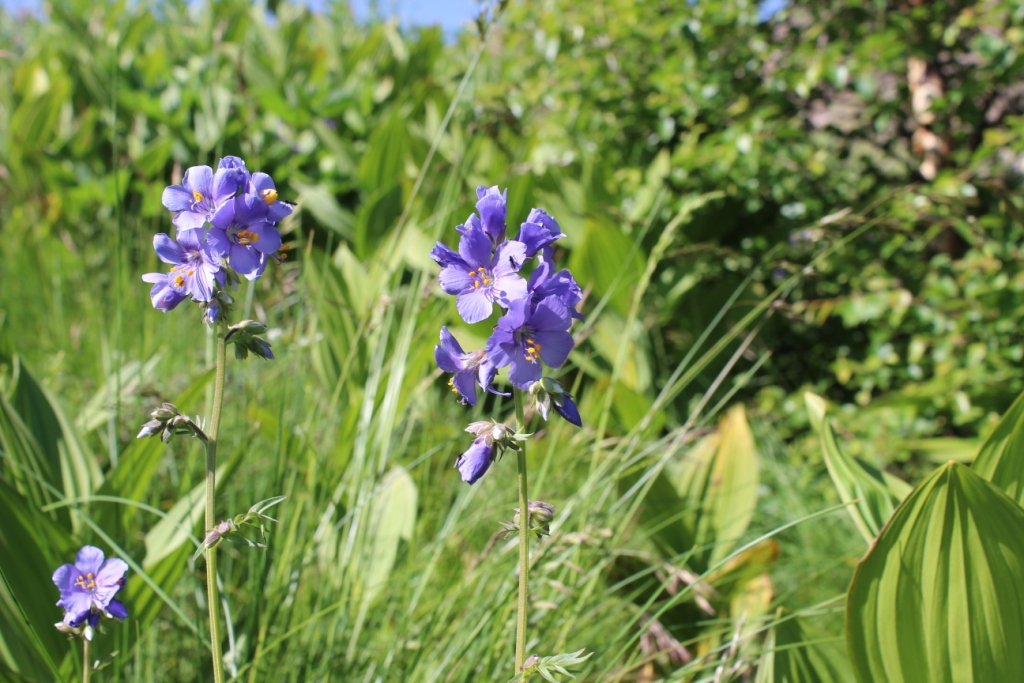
[(193, 273), (561, 285), (474, 462), (479, 279), (263, 187), (242, 234), (87, 588), (202, 192), (567, 409), (492, 207), (523, 338), (469, 369), (538, 233)]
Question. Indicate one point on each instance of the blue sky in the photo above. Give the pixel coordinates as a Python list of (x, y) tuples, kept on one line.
[(451, 14)]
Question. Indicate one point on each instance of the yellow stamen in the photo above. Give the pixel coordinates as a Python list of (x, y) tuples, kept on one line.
[(476, 284), (197, 195), (269, 195), (191, 272), (179, 281), (451, 383), (486, 281)]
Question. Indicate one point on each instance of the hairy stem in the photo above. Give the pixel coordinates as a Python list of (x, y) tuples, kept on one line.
[(524, 538), (212, 599), (86, 668)]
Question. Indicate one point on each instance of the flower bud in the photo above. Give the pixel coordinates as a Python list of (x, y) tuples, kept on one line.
[(167, 422), (243, 336), (541, 515), (549, 394)]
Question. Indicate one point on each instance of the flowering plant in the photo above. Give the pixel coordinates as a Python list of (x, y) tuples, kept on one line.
[(226, 223), (532, 332)]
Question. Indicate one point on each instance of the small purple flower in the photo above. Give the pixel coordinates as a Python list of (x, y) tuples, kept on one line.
[(193, 273), (544, 283), (538, 233), (87, 589), (262, 185), (202, 192), (567, 409), (469, 369), (523, 338), (241, 233), (474, 463), (492, 207), (479, 278)]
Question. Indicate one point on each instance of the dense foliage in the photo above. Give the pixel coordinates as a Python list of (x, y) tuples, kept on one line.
[(839, 182)]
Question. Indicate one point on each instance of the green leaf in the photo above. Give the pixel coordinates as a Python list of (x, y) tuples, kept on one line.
[(31, 548), (1001, 458), (855, 481), (393, 517), (937, 599), (797, 653), (732, 494), (707, 499)]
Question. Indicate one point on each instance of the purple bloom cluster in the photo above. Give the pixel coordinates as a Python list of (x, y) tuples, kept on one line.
[(224, 219), (537, 312), (87, 590)]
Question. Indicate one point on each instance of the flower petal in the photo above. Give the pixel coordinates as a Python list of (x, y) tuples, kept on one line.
[(199, 178), (227, 183), (465, 383), (554, 347), (243, 259), (190, 240), (475, 248), (167, 249), (177, 198), (474, 463), (550, 315), (523, 373), (117, 610), (454, 278), (492, 210), (269, 237), (448, 353), (508, 258), (65, 577), (474, 305), (89, 559), (507, 288), (189, 220), (568, 410), (218, 242)]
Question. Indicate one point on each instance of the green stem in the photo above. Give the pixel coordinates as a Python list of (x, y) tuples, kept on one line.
[(524, 537), (86, 669), (211, 487)]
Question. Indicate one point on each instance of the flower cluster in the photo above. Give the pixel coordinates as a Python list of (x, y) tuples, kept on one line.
[(87, 590), (537, 311), (225, 223)]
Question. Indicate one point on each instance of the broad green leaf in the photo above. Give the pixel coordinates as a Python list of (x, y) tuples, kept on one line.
[(706, 499), (1001, 458), (31, 548), (795, 652), (393, 520), (732, 494), (938, 597), (41, 437), (858, 483)]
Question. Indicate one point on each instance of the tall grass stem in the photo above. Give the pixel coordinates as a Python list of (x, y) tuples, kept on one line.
[(524, 537), (211, 488)]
